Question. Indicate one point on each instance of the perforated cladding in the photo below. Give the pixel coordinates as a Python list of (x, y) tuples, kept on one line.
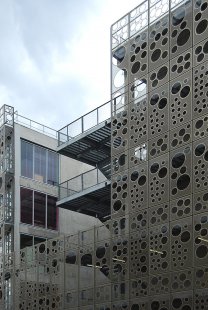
[(153, 252)]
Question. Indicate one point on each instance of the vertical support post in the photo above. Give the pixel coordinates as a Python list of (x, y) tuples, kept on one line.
[(97, 116), (82, 124)]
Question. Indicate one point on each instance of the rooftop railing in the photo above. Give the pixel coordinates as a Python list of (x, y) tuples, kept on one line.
[(84, 123), (81, 182), (22, 120)]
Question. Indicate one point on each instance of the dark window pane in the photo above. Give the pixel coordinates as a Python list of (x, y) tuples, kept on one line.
[(39, 209), (40, 164), (52, 212), (25, 241), (26, 201), (52, 168), (26, 159)]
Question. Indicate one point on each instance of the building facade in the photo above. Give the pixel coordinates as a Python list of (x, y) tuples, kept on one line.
[(152, 253)]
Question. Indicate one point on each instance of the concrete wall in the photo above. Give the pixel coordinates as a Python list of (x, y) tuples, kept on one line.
[(71, 222)]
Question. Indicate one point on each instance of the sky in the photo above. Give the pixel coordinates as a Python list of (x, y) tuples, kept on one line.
[(55, 56)]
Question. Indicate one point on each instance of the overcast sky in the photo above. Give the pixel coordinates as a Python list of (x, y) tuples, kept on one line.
[(55, 56)]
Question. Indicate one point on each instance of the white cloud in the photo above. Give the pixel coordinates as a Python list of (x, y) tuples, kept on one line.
[(55, 56)]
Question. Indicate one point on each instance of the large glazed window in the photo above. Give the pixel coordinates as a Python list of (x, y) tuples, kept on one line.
[(38, 209), (39, 163), (51, 212), (52, 176), (26, 197), (27, 159)]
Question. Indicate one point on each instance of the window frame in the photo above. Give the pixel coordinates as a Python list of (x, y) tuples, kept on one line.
[(48, 151), (33, 210)]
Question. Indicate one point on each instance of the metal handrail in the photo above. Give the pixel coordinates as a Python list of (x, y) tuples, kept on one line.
[(84, 123), (22, 120), (81, 182)]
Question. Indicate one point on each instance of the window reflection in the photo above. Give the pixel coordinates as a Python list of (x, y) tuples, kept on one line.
[(39, 163)]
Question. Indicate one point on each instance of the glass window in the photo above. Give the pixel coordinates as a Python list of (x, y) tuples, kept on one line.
[(26, 198), (52, 177), (51, 212), (26, 159), (39, 209), (40, 164)]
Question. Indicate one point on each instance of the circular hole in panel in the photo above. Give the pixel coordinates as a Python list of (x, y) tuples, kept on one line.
[(202, 26), (156, 55), (157, 37), (205, 48), (183, 37), (178, 160), (164, 41), (177, 303), (162, 103), (122, 160), (185, 91), (206, 156), (154, 99), (198, 16), (199, 49), (185, 236), (164, 54), (133, 58), (134, 176), (135, 68), (42, 248), (142, 180), (152, 46), (181, 132), (137, 50), (187, 65), (165, 31), (187, 56), (176, 88), (200, 57), (174, 49), (199, 150), (154, 168), (204, 6), (201, 251), (117, 205), (183, 181), (180, 69), (178, 16), (162, 73), (176, 230), (174, 68), (199, 124), (163, 172), (180, 59)]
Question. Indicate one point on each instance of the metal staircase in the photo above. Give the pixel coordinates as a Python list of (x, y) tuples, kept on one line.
[(88, 140)]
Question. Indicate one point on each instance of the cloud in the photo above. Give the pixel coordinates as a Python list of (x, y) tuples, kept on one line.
[(55, 56)]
